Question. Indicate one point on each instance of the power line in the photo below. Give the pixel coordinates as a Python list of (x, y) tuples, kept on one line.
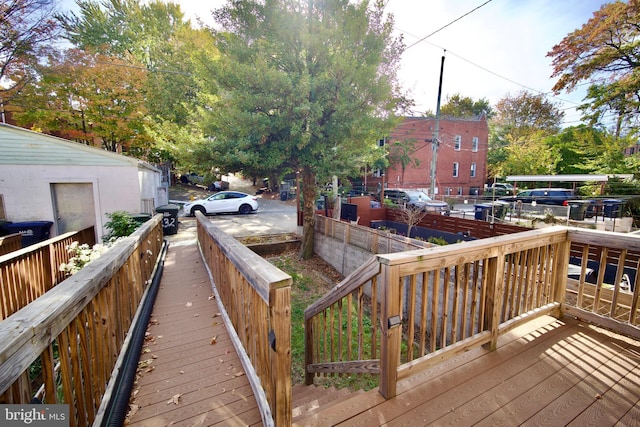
[(450, 23)]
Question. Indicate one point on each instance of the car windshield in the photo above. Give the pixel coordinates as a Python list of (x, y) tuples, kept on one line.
[(418, 196)]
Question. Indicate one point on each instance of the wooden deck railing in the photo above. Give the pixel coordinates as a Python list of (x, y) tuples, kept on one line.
[(404, 312), (28, 273), (10, 243), (67, 341), (257, 299)]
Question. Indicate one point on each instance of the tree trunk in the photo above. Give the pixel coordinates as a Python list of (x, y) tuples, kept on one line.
[(309, 209)]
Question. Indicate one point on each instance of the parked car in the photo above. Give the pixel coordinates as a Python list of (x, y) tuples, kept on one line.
[(415, 198), (500, 189), (543, 196), (223, 202)]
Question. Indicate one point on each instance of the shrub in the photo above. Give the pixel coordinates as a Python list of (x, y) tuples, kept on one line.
[(120, 224)]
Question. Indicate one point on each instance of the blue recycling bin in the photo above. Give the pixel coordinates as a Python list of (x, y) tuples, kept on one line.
[(32, 231), (612, 208)]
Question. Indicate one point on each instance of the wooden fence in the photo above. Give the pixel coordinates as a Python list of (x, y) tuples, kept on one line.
[(28, 273), (63, 346), (404, 312), (10, 243), (257, 299)]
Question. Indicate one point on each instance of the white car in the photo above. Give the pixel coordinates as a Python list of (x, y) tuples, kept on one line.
[(223, 202)]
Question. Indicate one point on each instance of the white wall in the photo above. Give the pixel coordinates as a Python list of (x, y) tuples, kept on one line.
[(27, 192)]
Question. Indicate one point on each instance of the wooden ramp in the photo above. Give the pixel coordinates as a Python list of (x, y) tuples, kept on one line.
[(189, 372)]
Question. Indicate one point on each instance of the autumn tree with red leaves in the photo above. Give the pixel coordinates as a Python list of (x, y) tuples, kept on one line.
[(605, 53)]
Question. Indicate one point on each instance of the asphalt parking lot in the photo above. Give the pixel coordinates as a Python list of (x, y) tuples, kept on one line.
[(272, 217)]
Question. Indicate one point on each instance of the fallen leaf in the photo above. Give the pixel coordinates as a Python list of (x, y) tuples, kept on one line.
[(175, 399), (196, 315), (188, 304), (238, 374), (159, 336), (216, 315), (150, 369), (153, 356), (214, 340), (212, 296), (145, 363), (132, 410), (221, 360), (182, 372)]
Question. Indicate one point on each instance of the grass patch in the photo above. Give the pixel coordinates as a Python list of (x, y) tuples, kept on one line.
[(311, 280)]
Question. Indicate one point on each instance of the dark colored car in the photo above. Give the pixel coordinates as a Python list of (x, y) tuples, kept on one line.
[(543, 196), (416, 198)]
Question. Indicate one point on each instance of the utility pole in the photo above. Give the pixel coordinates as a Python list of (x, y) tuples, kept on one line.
[(436, 141)]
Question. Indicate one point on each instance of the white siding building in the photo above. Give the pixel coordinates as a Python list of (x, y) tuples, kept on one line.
[(44, 178)]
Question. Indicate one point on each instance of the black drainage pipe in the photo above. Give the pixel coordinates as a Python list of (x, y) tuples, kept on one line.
[(118, 406)]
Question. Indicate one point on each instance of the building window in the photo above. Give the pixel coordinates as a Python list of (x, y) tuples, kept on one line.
[(378, 173), (381, 142), (459, 191), (456, 166), (473, 170), (474, 144), (457, 143)]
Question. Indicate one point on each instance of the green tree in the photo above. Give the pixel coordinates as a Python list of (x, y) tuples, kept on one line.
[(402, 153), (28, 29), (518, 130), (464, 106), (157, 37), (305, 86), (604, 51)]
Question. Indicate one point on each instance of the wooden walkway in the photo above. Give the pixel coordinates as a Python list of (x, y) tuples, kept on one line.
[(190, 373)]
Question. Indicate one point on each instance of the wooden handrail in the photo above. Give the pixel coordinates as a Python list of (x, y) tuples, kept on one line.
[(256, 297), (80, 325)]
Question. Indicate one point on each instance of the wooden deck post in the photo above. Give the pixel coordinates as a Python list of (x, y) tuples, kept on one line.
[(280, 304), (493, 303), (391, 330), (561, 261)]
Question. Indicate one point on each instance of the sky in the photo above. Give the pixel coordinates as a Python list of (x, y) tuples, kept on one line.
[(493, 47)]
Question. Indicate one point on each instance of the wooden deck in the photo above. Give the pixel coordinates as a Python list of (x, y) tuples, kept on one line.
[(190, 372), (547, 372)]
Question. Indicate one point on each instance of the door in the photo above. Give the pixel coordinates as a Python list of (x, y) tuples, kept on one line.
[(73, 206)]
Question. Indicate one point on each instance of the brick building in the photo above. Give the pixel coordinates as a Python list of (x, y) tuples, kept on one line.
[(461, 167)]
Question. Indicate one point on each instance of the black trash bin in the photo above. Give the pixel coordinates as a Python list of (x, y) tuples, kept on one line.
[(500, 209), (32, 231), (141, 218), (284, 195), (481, 211), (169, 218), (612, 208), (578, 209)]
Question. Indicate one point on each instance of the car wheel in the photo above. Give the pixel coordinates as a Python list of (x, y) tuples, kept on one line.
[(198, 209), (245, 209)]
